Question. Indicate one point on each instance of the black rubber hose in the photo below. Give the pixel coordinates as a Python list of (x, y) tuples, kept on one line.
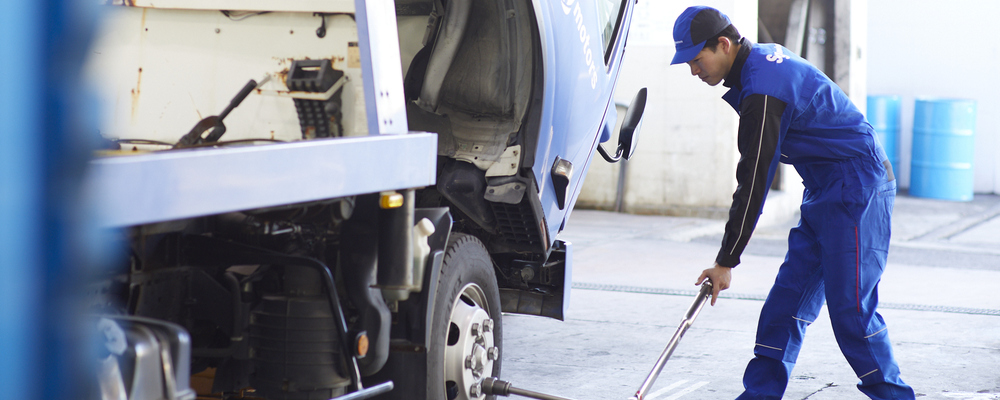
[(219, 254)]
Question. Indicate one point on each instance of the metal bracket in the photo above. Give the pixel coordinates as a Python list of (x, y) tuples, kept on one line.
[(304, 95)]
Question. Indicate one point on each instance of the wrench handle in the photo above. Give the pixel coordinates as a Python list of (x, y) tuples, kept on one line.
[(249, 87), (503, 388), (692, 313)]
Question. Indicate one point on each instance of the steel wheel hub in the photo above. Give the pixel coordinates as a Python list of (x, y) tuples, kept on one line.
[(470, 353)]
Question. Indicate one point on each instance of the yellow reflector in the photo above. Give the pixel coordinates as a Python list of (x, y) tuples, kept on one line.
[(362, 345), (391, 200)]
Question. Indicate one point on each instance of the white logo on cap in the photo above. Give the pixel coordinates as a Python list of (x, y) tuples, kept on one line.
[(678, 41), (778, 56)]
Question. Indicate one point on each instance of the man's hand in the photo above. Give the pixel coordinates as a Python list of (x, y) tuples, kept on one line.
[(720, 277)]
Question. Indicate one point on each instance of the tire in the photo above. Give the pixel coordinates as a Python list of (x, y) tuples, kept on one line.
[(464, 348)]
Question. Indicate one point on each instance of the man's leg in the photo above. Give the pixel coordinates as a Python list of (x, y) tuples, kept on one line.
[(793, 303), (855, 247)]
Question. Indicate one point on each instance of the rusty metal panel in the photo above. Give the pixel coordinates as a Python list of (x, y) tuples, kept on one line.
[(157, 72), (325, 6)]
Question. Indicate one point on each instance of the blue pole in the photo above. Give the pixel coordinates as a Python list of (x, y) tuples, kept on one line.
[(21, 193), (43, 153)]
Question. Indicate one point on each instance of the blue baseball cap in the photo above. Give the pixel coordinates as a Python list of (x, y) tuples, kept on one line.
[(695, 26)]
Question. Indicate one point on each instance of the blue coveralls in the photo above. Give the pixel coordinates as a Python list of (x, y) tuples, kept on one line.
[(792, 113)]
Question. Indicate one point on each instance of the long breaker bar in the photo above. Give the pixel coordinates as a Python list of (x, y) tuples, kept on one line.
[(503, 388), (692, 313)]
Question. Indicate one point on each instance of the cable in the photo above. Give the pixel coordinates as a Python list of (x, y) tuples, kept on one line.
[(240, 17)]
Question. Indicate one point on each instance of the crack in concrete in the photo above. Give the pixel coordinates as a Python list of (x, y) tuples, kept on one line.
[(828, 385)]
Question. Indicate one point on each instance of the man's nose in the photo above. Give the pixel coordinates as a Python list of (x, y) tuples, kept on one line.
[(694, 69)]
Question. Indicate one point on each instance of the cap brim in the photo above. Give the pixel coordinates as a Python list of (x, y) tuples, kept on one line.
[(688, 54)]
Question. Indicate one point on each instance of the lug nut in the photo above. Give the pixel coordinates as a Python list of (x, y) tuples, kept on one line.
[(475, 390), (475, 330), (468, 362), (487, 325), (493, 353)]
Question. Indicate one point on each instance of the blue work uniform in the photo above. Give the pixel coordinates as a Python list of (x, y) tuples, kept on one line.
[(791, 112)]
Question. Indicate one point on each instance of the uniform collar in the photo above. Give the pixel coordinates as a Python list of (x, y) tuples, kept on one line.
[(735, 72)]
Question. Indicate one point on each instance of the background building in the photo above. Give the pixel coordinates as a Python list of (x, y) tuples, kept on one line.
[(687, 152)]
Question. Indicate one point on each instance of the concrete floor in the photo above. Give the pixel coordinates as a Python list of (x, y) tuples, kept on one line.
[(634, 279)]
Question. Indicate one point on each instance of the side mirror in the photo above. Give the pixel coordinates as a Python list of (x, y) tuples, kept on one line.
[(627, 139)]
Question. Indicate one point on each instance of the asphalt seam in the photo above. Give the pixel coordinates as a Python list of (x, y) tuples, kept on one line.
[(948, 231), (755, 297)]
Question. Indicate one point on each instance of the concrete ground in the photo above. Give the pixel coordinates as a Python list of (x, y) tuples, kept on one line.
[(634, 279)]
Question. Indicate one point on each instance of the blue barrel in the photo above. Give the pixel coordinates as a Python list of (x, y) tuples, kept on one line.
[(943, 146), (883, 114)]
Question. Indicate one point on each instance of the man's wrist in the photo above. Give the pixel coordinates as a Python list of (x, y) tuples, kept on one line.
[(725, 260)]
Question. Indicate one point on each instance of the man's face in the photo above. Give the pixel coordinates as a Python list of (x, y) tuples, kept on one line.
[(711, 66)]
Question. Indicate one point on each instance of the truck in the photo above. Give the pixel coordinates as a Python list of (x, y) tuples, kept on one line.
[(383, 180)]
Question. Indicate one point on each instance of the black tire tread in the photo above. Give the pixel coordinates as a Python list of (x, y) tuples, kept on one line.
[(468, 250)]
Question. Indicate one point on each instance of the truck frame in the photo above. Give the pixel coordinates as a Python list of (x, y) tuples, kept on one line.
[(390, 181)]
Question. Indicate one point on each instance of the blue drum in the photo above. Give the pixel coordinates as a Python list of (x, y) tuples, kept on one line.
[(943, 147), (883, 114)]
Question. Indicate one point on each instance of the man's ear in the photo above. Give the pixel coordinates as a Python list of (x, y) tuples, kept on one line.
[(725, 44)]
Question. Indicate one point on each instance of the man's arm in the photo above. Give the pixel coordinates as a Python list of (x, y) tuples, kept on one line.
[(760, 126)]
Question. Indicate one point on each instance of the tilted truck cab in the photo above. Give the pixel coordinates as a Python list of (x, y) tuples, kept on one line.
[(389, 179)]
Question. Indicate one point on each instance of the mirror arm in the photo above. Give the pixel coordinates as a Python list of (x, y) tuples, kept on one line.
[(626, 135), (607, 157)]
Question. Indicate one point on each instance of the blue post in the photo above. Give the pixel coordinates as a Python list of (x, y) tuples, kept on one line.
[(42, 156), (21, 193)]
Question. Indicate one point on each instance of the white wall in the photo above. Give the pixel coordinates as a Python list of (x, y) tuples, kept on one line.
[(940, 49), (685, 163)]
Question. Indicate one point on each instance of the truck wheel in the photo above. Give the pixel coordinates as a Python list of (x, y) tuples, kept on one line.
[(465, 342)]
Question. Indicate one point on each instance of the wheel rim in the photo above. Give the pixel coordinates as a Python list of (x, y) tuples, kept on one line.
[(469, 351)]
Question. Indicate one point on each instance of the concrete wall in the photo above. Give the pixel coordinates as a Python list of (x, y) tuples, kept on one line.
[(939, 49), (686, 158)]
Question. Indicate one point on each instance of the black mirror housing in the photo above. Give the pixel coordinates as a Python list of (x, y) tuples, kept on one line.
[(627, 136)]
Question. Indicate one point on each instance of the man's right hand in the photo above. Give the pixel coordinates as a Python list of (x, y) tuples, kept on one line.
[(720, 277)]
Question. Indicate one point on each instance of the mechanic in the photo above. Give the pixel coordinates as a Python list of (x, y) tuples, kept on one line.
[(790, 112)]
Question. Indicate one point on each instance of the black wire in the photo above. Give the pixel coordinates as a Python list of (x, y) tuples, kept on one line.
[(242, 17), (321, 31), (225, 143), (142, 141), (324, 15)]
